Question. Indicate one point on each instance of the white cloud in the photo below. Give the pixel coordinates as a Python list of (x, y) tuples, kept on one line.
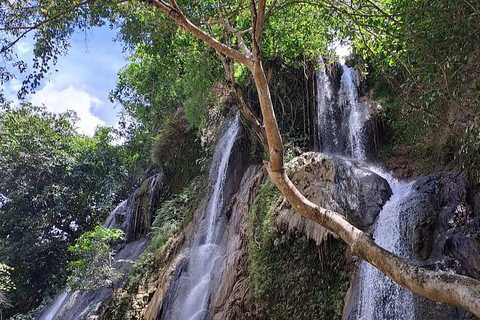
[(11, 88), (60, 100), (24, 48)]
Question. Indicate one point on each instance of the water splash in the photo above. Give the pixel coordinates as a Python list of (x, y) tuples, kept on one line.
[(190, 294), (52, 311), (380, 297)]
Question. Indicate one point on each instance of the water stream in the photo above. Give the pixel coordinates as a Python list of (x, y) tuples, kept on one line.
[(341, 119), (380, 297), (52, 311), (188, 298)]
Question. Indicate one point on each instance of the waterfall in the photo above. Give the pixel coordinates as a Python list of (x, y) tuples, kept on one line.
[(341, 119), (52, 311), (380, 297), (358, 113), (189, 295), (326, 123)]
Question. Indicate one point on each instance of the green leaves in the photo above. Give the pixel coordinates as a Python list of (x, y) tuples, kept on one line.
[(94, 267), (54, 185), (6, 285)]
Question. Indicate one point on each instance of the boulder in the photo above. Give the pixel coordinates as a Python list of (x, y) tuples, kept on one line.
[(336, 184)]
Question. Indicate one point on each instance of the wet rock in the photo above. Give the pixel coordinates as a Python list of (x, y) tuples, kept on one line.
[(117, 216), (233, 281), (88, 305), (463, 245), (476, 204), (335, 184), (439, 205)]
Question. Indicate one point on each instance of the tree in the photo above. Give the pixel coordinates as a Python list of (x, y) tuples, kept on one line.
[(235, 30), (95, 264), (54, 185), (6, 285)]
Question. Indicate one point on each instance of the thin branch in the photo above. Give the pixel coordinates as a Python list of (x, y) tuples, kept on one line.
[(252, 120), (260, 20), (174, 12), (270, 9), (38, 25), (238, 34)]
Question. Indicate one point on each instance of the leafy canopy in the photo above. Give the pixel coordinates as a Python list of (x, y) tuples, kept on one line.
[(54, 185)]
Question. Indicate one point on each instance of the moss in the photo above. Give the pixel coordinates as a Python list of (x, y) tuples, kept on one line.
[(178, 150), (290, 279)]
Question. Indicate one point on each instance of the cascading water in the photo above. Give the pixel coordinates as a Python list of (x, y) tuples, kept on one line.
[(358, 112), (380, 298), (326, 122), (341, 117), (52, 311), (188, 298), (341, 121)]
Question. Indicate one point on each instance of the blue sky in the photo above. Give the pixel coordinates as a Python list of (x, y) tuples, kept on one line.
[(85, 77)]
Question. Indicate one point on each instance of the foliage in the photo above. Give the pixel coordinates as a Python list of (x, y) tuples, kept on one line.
[(54, 184), (20, 17), (95, 264), (292, 95), (469, 153), (290, 278), (164, 72), (427, 52), (178, 149), (6, 285)]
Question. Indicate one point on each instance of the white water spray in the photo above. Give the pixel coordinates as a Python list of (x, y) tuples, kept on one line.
[(52, 311), (380, 297), (341, 118), (358, 113), (194, 287), (326, 126), (341, 131)]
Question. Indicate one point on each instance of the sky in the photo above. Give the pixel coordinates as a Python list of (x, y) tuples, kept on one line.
[(85, 77)]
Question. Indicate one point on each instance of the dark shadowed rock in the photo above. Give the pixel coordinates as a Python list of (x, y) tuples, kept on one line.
[(443, 234)]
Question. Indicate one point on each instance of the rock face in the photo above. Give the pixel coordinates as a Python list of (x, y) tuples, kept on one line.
[(233, 282), (444, 234), (335, 184)]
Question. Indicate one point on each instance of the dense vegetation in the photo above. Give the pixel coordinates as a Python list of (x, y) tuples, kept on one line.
[(55, 184), (421, 59), (424, 60), (291, 277)]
